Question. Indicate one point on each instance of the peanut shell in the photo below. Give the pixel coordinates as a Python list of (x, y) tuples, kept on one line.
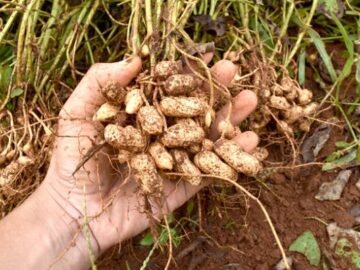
[(184, 165), (181, 135), (126, 138), (238, 159), (150, 120), (183, 106), (161, 156)]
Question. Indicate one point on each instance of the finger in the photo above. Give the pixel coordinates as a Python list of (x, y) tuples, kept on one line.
[(192, 65), (243, 105), (87, 96), (247, 140)]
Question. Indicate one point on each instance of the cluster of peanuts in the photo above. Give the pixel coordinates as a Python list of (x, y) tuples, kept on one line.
[(169, 131), (289, 103)]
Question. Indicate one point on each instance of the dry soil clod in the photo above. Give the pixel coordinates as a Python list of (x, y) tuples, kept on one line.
[(183, 106), (237, 158), (184, 165), (143, 169)]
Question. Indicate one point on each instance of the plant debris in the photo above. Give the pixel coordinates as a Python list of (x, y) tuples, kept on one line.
[(332, 191), (307, 245), (313, 144)]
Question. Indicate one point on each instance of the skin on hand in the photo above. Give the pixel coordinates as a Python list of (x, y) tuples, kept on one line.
[(97, 182)]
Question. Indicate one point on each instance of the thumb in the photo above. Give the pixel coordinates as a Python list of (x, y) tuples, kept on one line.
[(87, 97)]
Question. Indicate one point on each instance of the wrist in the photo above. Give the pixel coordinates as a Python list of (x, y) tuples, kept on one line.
[(66, 235)]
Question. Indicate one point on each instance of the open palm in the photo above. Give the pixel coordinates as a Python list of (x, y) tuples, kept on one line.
[(115, 210)]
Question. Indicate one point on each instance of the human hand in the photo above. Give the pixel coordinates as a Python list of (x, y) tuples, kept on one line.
[(114, 210)]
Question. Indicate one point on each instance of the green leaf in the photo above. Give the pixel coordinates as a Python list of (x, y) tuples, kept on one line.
[(344, 248), (333, 156), (320, 46), (339, 162), (342, 144), (5, 78), (307, 245), (147, 240), (16, 92)]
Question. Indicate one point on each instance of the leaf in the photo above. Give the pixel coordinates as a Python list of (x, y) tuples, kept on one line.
[(349, 47), (5, 78), (339, 162), (164, 237), (16, 92), (320, 46), (307, 245), (344, 248), (333, 156), (342, 144), (147, 240)]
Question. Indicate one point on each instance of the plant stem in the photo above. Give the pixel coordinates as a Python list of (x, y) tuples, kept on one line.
[(10, 22), (283, 28), (20, 44), (150, 30), (301, 35)]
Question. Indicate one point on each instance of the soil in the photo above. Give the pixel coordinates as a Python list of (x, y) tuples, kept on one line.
[(234, 233)]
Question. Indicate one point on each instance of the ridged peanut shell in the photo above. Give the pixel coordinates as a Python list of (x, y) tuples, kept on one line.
[(183, 106), (181, 135), (184, 165), (126, 138)]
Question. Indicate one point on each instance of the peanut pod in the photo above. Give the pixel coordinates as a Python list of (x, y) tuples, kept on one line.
[(133, 101), (183, 106), (184, 165), (126, 138), (161, 156), (114, 93), (143, 169), (209, 163), (182, 135), (150, 120), (180, 84), (165, 69), (106, 113), (237, 158)]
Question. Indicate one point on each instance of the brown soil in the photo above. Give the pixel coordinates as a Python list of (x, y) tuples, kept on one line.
[(240, 238)]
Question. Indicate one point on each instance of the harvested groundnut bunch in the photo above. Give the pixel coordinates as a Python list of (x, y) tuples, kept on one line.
[(150, 120), (161, 156), (238, 159), (144, 171), (133, 101), (114, 93), (182, 135), (183, 106), (106, 113), (209, 163), (184, 165), (126, 138), (165, 69), (181, 84)]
